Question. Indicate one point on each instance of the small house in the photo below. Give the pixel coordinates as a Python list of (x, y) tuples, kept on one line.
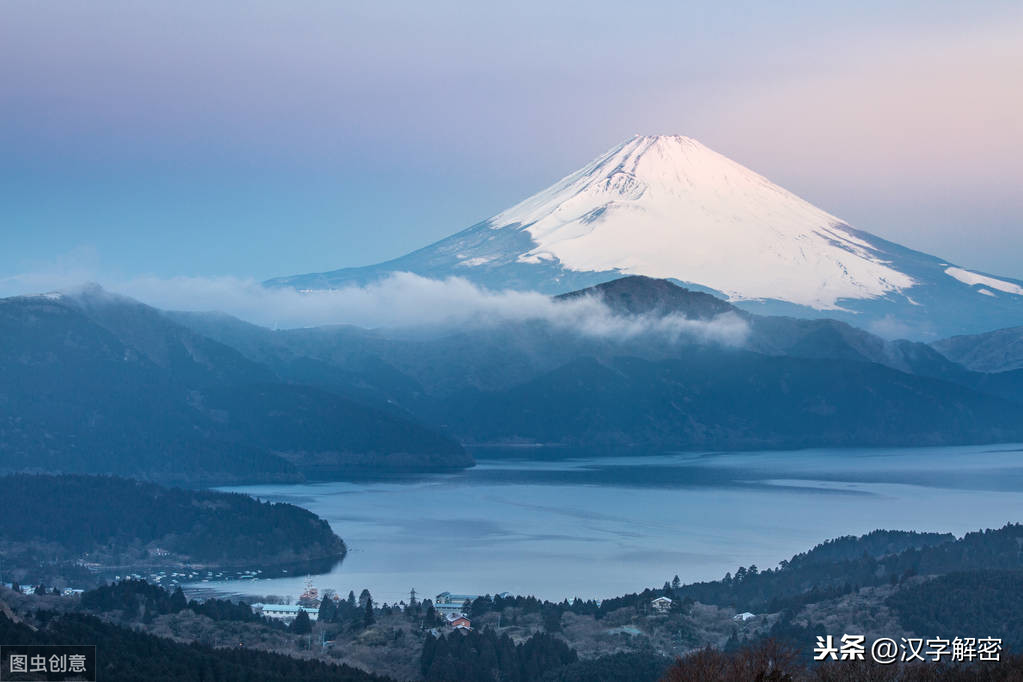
[(459, 622), (744, 616), (661, 604)]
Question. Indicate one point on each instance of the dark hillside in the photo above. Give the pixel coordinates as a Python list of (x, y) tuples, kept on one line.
[(107, 516)]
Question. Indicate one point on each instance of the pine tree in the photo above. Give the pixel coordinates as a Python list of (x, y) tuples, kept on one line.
[(302, 625), (328, 610), (733, 643), (367, 618), (428, 653), (178, 601)]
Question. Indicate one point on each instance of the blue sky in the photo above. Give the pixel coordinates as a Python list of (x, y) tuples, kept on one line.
[(259, 139)]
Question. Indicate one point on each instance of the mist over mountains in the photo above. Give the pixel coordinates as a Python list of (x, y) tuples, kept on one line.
[(99, 383), (787, 383)]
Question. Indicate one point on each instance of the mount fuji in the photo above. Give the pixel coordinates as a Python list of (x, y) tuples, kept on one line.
[(669, 207)]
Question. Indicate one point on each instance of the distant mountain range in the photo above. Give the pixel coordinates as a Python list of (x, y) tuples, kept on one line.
[(669, 207), (96, 383), (791, 382)]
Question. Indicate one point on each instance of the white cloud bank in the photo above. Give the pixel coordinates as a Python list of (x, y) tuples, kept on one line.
[(401, 300)]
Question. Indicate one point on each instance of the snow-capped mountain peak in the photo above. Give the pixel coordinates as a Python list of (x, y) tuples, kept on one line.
[(667, 206)]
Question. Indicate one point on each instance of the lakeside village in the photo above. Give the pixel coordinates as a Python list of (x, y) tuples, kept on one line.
[(452, 608)]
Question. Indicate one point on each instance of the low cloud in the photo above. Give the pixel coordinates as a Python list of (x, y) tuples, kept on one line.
[(892, 328), (400, 300)]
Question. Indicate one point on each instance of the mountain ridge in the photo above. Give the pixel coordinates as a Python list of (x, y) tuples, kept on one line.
[(1000, 350), (534, 382), (104, 384)]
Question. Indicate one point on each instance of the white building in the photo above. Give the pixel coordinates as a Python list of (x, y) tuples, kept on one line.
[(447, 603), (744, 616), (451, 598), (286, 612), (448, 609)]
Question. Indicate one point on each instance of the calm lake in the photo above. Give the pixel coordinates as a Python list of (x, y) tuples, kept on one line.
[(600, 527)]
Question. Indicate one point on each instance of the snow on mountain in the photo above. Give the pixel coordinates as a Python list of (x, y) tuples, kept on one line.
[(669, 207), (971, 278)]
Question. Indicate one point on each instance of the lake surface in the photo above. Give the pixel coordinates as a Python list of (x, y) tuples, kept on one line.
[(601, 527)]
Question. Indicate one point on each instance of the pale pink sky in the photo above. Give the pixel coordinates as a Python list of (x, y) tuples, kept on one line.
[(261, 139)]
